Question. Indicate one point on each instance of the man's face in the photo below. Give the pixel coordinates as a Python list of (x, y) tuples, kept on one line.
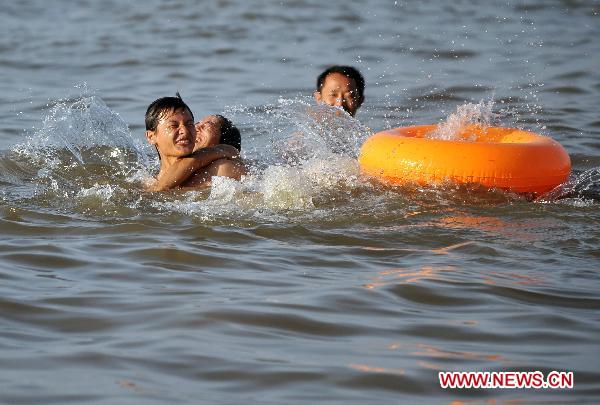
[(175, 134), (208, 132), (340, 91)]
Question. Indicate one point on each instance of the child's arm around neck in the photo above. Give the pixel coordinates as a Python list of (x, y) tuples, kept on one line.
[(182, 168)]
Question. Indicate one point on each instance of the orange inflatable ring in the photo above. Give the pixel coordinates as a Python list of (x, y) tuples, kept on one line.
[(504, 158)]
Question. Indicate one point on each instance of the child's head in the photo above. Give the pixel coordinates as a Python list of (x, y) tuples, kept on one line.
[(216, 129), (170, 126), (341, 86)]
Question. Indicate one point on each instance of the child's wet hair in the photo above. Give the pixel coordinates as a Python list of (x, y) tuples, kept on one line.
[(158, 108), (230, 135)]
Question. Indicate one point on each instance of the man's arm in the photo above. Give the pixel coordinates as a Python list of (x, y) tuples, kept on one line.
[(184, 167)]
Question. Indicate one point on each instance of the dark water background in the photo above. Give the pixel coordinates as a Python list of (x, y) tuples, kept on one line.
[(305, 282)]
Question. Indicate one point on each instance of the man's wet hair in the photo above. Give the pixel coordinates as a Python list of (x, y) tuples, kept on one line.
[(348, 71), (230, 135), (159, 106)]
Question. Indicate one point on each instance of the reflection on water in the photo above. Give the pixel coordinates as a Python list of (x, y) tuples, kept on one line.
[(375, 369), (516, 279), (525, 230), (407, 276), (432, 352)]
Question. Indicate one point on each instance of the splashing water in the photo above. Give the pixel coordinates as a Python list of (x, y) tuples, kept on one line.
[(581, 189), (301, 159), (301, 156), (298, 154), (84, 160), (83, 149), (292, 131), (82, 126), (480, 114)]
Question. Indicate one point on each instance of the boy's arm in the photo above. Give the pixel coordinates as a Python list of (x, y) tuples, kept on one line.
[(186, 166)]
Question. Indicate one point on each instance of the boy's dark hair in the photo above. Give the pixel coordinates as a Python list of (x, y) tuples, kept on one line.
[(159, 106), (348, 71), (230, 135), (157, 109)]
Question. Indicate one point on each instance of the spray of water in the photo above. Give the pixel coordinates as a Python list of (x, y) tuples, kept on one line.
[(292, 130), (80, 127), (301, 158), (480, 114), (83, 149)]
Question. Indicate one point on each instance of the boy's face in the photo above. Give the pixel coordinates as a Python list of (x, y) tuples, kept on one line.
[(175, 134), (339, 90), (208, 132)]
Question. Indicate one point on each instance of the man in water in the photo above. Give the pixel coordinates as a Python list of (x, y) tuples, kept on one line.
[(341, 86), (214, 130), (170, 128)]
